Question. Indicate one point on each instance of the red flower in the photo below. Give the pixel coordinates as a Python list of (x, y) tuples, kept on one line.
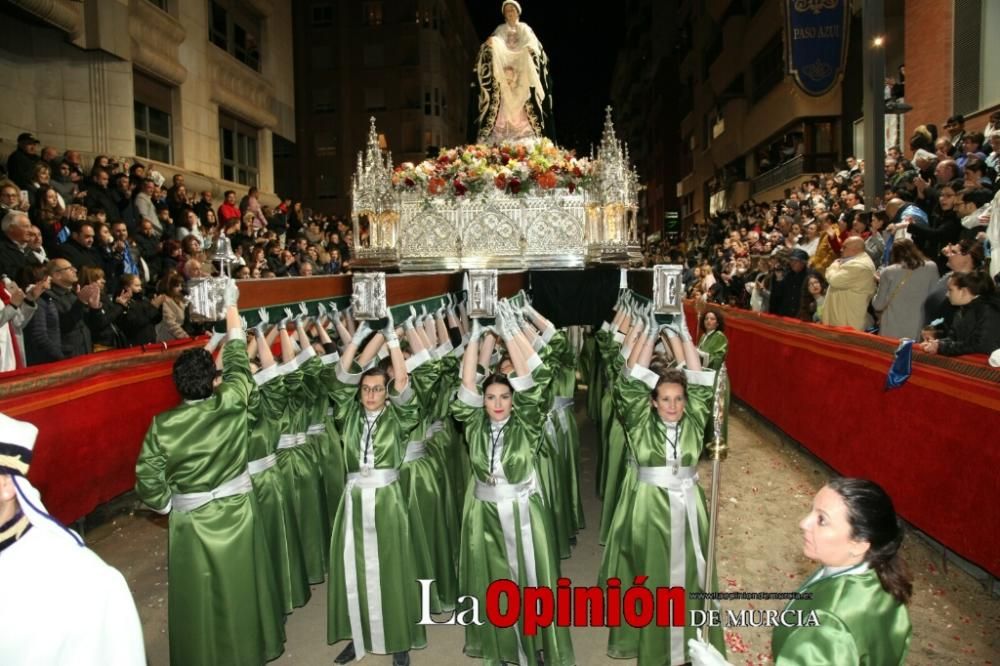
[(571, 187), (435, 185), (460, 187), (500, 181), (515, 185), (409, 182), (547, 180), (577, 172)]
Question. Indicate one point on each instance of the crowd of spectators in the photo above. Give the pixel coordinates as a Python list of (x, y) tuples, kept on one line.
[(103, 257), (916, 266)]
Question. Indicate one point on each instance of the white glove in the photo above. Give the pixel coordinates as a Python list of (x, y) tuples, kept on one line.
[(289, 317), (477, 331), (361, 333), (705, 654), (684, 331), (389, 332), (265, 318), (413, 313), (232, 296), (214, 341), (321, 309)]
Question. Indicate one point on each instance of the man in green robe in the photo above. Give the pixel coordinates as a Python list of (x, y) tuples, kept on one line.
[(193, 466)]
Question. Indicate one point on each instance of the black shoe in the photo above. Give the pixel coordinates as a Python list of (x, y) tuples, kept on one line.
[(401, 659), (347, 655)]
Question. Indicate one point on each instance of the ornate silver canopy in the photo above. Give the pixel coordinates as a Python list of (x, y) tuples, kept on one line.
[(374, 205)]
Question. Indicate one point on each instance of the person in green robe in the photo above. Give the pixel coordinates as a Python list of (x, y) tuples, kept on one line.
[(506, 527), (373, 595), (859, 594), (426, 481), (276, 512), (298, 459), (660, 527), (713, 345), (193, 466)]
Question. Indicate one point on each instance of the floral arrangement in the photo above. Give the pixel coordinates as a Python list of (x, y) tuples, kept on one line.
[(513, 168)]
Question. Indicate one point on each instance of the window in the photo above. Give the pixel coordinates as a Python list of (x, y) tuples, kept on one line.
[(326, 144), (321, 56), (437, 102), (427, 103), (238, 144), (374, 99), (153, 129), (321, 14), (374, 55), (974, 47), (323, 100), (235, 31), (768, 68), (162, 4), (372, 16), (326, 188)]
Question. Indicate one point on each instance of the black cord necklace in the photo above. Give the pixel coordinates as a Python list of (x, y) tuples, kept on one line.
[(368, 437), (492, 480), (674, 442)]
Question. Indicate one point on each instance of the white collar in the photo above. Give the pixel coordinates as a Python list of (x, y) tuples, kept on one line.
[(497, 425)]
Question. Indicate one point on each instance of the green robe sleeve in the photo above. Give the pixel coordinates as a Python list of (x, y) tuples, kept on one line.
[(829, 644), (150, 473), (237, 379), (406, 410)]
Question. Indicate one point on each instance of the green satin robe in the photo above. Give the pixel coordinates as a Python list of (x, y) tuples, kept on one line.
[(398, 597), (434, 523), (301, 468), (859, 624), (221, 592), (273, 496), (449, 445), (614, 441), (716, 345), (483, 556), (641, 533)]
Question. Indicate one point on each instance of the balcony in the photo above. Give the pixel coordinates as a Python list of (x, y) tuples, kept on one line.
[(793, 168)]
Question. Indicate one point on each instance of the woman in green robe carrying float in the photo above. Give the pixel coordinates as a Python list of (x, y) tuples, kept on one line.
[(859, 594), (373, 594), (506, 529), (660, 527)]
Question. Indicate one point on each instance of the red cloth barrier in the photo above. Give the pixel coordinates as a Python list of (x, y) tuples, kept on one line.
[(932, 444), (91, 424)]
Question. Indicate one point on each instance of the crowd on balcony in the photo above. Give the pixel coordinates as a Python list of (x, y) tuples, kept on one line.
[(912, 261), (102, 256)]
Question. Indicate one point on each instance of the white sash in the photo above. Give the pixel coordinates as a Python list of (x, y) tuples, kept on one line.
[(368, 483), (316, 429), (680, 485), (292, 440), (504, 495), (255, 467), (188, 502)]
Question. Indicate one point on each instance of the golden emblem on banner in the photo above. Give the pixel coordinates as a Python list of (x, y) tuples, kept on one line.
[(814, 6)]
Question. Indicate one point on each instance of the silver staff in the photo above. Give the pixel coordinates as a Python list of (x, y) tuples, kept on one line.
[(718, 450)]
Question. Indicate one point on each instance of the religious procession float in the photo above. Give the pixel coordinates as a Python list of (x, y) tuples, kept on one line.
[(512, 200)]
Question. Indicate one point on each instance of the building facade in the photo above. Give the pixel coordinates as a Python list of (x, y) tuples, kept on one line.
[(407, 63), (199, 87)]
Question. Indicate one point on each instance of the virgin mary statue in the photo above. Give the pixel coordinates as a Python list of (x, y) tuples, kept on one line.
[(515, 93)]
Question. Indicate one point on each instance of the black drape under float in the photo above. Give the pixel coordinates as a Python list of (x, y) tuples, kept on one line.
[(574, 297)]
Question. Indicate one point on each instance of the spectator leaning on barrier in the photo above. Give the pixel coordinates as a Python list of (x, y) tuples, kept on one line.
[(976, 326), (852, 285)]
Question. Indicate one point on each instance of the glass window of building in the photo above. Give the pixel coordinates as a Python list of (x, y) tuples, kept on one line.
[(235, 30), (153, 126), (238, 147)]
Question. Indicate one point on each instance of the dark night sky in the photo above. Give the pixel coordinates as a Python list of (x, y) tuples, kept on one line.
[(581, 70)]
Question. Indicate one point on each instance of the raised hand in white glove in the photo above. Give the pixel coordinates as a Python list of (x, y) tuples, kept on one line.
[(289, 318), (213, 342), (477, 331), (232, 296), (361, 333), (389, 332), (705, 654)]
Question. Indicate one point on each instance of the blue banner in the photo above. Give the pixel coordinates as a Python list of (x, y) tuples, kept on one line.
[(816, 42)]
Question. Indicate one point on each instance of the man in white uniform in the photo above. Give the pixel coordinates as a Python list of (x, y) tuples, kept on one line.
[(59, 602)]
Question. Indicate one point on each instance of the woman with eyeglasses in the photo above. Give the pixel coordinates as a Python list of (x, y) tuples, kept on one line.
[(507, 530), (373, 598), (962, 257)]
